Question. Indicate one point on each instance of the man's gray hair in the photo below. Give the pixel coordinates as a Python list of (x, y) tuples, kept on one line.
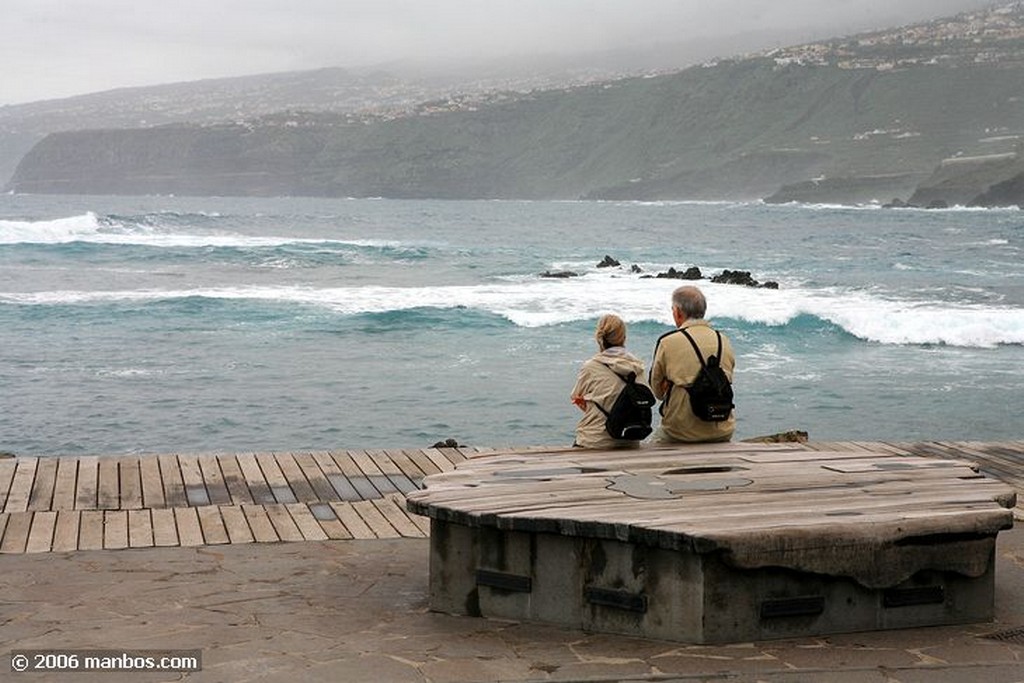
[(690, 301)]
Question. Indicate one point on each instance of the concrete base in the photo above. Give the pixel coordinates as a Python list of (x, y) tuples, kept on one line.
[(604, 585)]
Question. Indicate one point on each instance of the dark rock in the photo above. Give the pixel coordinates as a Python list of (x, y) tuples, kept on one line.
[(447, 443), (635, 269), (691, 273), (848, 190), (559, 273), (898, 203), (1003, 194), (608, 262), (735, 277), (938, 204), (770, 284), (793, 436)]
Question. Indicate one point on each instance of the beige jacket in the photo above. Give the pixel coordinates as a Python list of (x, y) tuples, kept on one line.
[(597, 384), (676, 363)]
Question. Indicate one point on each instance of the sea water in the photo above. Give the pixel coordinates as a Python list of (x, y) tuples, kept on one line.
[(167, 324)]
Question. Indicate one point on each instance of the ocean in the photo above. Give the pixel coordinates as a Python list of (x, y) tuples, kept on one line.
[(174, 324)]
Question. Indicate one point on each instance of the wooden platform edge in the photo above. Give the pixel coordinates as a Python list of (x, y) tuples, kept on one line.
[(92, 502)]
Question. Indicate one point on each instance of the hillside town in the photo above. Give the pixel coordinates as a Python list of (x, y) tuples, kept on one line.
[(991, 36)]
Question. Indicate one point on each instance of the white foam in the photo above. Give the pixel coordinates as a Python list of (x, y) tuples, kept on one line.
[(56, 231), (90, 229), (539, 302)]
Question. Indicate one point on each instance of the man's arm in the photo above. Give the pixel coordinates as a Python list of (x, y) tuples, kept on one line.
[(656, 379)]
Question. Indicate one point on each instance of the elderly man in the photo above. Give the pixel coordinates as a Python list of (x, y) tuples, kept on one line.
[(676, 366)]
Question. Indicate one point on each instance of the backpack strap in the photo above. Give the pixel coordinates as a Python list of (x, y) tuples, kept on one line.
[(696, 348), (624, 379)]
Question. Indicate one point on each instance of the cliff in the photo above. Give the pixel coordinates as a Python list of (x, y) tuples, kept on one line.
[(740, 129)]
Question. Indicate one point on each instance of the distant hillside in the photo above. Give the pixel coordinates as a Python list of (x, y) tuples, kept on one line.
[(877, 116), (384, 92)]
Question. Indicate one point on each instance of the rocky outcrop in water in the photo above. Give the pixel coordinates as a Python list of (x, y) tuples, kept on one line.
[(742, 277)]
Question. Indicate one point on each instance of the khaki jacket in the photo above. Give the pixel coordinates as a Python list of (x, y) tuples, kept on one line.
[(676, 362), (597, 384)]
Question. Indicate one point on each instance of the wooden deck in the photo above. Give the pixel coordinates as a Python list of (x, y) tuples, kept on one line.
[(59, 504)]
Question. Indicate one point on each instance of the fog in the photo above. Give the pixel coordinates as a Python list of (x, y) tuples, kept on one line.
[(57, 48)]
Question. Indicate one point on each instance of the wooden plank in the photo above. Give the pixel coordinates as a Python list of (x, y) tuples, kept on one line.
[(262, 528), (370, 470), (115, 528), (329, 522), (152, 482), (453, 455), (192, 477), (140, 529), (212, 525), (216, 487), (16, 534), (992, 463), (355, 525), (407, 466), (108, 494), (189, 531), (307, 524), (236, 525), (174, 486), (254, 479), (7, 468), (355, 476), (131, 483), (717, 515), (390, 469), (165, 529), (421, 522), (67, 479), (295, 477), (1007, 461), (90, 530), (275, 477), (21, 486), (424, 463), (234, 480), (440, 462), (65, 535), (41, 497), (398, 517), (339, 482), (322, 488), (40, 536), (283, 523), (377, 522), (86, 490)]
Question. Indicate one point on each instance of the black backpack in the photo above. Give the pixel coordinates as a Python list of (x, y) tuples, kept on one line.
[(711, 391), (630, 416)]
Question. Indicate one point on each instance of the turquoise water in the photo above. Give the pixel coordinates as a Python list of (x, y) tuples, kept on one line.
[(166, 324)]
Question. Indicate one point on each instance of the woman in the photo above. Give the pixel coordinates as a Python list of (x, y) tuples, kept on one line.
[(599, 382)]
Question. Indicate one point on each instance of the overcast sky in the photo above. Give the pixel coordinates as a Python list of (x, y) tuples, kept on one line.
[(58, 48)]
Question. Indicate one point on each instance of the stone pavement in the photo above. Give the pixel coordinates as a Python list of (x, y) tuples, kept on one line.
[(357, 611)]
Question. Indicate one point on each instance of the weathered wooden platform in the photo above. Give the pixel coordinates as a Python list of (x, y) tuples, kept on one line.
[(77, 503), (716, 542)]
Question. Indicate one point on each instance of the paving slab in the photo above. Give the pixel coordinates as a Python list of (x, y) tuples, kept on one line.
[(356, 610)]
